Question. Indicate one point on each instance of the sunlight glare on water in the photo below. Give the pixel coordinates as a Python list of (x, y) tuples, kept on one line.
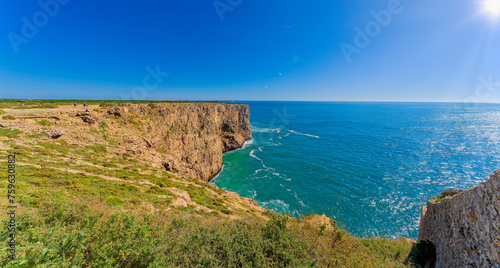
[(370, 166)]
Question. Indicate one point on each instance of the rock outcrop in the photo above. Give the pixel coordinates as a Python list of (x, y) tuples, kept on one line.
[(465, 227), (54, 133), (184, 138)]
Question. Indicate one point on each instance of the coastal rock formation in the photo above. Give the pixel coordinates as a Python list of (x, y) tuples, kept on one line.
[(163, 152), (185, 138), (465, 228)]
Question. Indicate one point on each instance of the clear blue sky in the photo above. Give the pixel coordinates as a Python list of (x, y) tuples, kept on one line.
[(249, 50)]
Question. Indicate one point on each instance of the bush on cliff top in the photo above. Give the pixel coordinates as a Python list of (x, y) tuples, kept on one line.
[(91, 234)]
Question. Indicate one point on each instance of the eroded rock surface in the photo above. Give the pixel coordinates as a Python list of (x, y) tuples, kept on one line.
[(184, 138), (465, 228)]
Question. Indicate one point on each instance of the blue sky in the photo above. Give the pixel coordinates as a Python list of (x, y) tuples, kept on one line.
[(250, 50)]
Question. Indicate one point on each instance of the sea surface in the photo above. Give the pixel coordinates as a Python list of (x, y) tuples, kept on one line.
[(369, 166)]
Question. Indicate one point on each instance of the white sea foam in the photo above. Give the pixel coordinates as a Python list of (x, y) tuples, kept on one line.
[(277, 204), (265, 130), (257, 171), (218, 174), (303, 134), (244, 146), (251, 154), (247, 143)]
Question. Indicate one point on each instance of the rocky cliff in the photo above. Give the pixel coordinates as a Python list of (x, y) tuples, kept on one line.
[(465, 228), (184, 138)]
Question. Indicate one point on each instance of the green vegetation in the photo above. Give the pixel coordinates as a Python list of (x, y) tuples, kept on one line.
[(33, 136), (9, 117), (44, 104), (14, 133), (437, 199), (29, 104), (44, 123), (204, 198), (84, 233)]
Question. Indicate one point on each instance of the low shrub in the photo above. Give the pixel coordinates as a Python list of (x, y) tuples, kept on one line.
[(9, 117)]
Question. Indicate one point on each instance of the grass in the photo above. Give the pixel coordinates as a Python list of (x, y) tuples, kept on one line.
[(33, 136), (32, 104), (85, 233), (9, 117), (203, 197), (44, 122), (437, 199), (97, 222), (14, 133), (96, 148)]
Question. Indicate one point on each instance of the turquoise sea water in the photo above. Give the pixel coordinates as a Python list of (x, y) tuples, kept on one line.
[(370, 166)]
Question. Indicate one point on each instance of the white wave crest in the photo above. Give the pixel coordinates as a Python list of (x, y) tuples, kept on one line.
[(218, 174), (251, 154), (266, 130), (277, 205), (303, 134), (247, 143)]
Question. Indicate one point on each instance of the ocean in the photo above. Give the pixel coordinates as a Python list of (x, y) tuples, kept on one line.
[(369, 166)]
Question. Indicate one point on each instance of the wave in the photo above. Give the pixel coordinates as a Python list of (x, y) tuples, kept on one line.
[(212, 181), (276, 205), (265, 130), (251, 154), (247, 143), (303, 134), (244, 146), (266, 168)]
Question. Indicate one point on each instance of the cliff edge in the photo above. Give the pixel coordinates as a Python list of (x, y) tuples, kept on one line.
[(184, 138)]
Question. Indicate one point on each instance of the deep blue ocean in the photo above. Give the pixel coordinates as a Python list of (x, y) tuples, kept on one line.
[(369, 166)]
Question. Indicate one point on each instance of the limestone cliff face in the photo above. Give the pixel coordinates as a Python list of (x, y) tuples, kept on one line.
[(185, 138), (465, 228)]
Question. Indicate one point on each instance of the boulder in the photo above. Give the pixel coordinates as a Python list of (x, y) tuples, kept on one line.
[(54, 133)]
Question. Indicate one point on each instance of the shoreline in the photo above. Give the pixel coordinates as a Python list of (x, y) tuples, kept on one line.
[(244, 146)]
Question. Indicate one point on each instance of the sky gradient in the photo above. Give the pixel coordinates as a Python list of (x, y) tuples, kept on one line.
[(250, 50)]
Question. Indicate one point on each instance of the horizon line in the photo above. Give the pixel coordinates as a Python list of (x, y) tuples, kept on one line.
[(228, 100)]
